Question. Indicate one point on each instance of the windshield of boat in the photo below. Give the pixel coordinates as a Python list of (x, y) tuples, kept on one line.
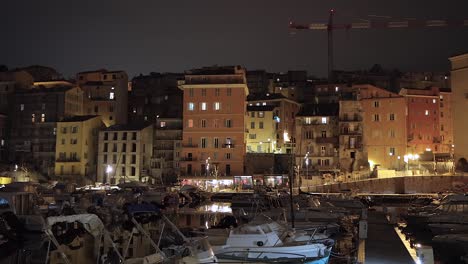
[(454, 208)]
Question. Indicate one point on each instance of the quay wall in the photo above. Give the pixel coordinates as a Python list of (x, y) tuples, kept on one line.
[(396, 185)]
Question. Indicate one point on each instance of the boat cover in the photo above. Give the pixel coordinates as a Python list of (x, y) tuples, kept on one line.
[(142, 208), (91, 222)]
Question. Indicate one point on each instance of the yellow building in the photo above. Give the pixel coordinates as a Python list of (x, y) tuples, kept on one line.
[(384, 126), (261, 128), (459, 78), (76, 148)]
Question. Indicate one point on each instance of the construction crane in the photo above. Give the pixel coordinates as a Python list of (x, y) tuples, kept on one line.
[(405, 23)]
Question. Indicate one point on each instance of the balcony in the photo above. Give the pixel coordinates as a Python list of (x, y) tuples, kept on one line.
[(228, 145), (329, 140), (355, 146), (188, 159), (190, 145), (68, 160)]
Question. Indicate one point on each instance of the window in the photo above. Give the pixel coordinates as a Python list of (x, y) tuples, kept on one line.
[(228, 156), (133, 173), (133, 159), (426, 112), (105, 158), (260, 125), (191, 92), (54, 132), (252, 136), (42, 118), (434, 101), (203, 106), (191, 106), (228, 169), (308, 120), (43, 107), (229, 91), (124, 136), (376, 118), (203, 91), (441, 127), (114, 159), (21, 107), (324, 134), (115, 136), (124, 147), (73, 141), (252, 114), (392, 117), (63, 141), (323, 150), (33, 118), (215, 123), (376, 104), (252, 125), (324, 120), (124, 159), (111, 96), (204, 142), (134, 135), (134, 147), (74, 130), (441, 114), (392, 152), (261, 114), (114, 147), (203, 123), (106, 135), (228, 123), (96, 109), (217, 106), (308, 135), (216, 142), (217, 92), (105, 147), (190, 123), (392, 133)]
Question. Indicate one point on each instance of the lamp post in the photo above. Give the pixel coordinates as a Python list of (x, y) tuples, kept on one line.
[(108, 172), (306, 160)]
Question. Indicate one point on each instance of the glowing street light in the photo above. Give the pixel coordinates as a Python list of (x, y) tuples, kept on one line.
[(207, 162), (306, 159)]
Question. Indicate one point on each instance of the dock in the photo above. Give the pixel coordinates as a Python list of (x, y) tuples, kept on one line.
[(383, 245)]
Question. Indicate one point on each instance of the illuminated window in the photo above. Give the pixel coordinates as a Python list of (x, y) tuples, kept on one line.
[(434, 101), (42, 118), (33, 118), (190, 123), (308, 120), (203, 106), (217, 106), (392, 152), (337, 89), (191, 106), (261, 114), (426, 112), (162, 124), (22, 107), (111, 96), (324, 120)]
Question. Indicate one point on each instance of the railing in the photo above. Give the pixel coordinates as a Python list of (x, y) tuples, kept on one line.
[(68, 160), (190, 145)]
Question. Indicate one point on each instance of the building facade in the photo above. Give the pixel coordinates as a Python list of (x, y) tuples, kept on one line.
[(261, 128), (214, 113), (383, 127), (124, 153), (76, 148), (167, 148), (459, 84), (106, 95), (317, 139), (33, 130)]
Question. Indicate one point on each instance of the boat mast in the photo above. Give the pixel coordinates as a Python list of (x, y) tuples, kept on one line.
[(291, 180)]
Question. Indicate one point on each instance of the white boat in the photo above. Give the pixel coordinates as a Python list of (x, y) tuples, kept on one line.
[(261, 244)]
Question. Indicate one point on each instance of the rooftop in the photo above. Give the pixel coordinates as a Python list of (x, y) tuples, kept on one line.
[(319, 110), (128, 127), (214, 70), (78, 118), (261, 108), (43, 89), (264, 97)]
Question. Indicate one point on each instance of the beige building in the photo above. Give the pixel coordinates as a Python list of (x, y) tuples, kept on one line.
[(106, 95), (76, 148), (261, 128), (124, 153), (459, 78), (384, 126), (213, 118)]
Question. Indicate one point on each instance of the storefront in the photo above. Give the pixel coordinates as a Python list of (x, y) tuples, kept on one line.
[(243, 182), (274, 181), (209, 184)]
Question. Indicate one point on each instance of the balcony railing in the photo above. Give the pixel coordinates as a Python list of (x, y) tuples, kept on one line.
[(68, 160)]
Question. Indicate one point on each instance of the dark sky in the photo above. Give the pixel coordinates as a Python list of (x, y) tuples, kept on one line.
[(141, 36)]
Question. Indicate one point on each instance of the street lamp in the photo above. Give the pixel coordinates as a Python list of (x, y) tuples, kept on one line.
[(207, 162), (108, 172), (306, 159)]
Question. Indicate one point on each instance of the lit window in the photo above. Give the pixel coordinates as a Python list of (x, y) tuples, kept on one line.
[(264, 103), (112, 88), (111, 96), (337, 88), (190, 123), (134, 110), (261, 114), (203, 106), (217, 106), (22, 107), (33, 118), (434, 101), (392, 152), (191, 106), (42, 118), (426, 112), (308, 120), (324, 120), (162, 124)]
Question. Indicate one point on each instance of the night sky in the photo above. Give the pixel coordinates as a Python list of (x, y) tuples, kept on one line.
[(141, 36)]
